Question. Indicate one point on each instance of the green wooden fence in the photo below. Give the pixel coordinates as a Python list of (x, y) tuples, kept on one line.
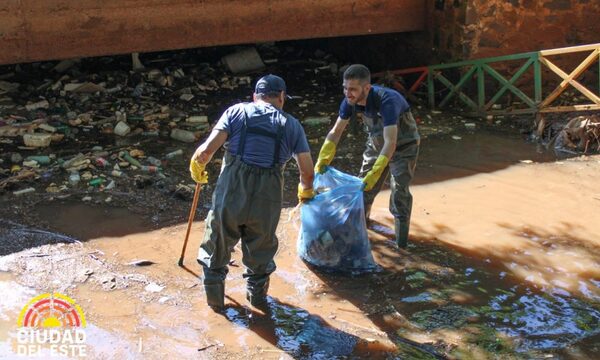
[(481, 104)]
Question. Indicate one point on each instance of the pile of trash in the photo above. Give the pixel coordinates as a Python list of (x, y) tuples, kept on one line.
[(64, 118), (580, 134), (333, 236), (101, 122)]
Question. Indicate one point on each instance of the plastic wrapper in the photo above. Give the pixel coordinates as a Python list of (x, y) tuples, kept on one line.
[(333, 234)]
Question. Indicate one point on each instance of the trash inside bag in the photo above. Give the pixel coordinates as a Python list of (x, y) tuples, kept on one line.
[(333, 236)]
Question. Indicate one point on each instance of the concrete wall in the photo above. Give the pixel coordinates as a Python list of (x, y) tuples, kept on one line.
[(468, 29)]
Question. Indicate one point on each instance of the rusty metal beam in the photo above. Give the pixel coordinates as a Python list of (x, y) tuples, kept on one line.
[(32, 30)]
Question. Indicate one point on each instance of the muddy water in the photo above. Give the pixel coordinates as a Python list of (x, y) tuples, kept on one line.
[(504, 263)]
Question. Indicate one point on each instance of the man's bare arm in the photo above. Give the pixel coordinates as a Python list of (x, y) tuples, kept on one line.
[(305, 165), (207, 149)]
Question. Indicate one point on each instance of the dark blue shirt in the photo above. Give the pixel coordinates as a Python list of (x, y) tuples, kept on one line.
[(258, 150), (392, 106)]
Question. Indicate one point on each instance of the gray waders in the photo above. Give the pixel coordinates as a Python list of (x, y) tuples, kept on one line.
[(401, 166), (246, 205)]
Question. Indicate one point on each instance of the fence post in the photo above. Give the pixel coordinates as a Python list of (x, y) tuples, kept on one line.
[(480, 90), (537, 79), (430, 89)]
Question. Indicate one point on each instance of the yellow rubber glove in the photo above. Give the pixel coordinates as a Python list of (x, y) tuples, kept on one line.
[(305, 194), (325, 156), (372, 176), (198, 173)]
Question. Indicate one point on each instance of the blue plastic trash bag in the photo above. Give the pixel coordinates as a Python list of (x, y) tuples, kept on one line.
[(333, 235)]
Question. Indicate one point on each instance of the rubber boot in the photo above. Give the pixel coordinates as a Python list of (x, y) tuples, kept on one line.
[(215, 296), (401, 229), (257, 291)]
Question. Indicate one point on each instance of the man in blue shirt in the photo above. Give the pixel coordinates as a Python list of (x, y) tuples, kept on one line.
[(259, 139), (393, 140)]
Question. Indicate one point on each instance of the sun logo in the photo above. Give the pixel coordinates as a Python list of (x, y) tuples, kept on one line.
[(51, 310)]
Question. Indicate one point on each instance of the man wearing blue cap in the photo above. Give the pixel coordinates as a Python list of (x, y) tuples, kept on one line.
[(392, 144), (259, 139)]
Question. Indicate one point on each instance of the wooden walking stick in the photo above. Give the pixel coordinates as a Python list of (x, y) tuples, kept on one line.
[(190, 220)]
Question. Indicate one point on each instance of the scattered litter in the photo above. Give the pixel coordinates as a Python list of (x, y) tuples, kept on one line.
[(183, 135), (122, 129), (24, 191), (243, 61), (37, 140), (44, 104), (317, 120), (173, 154), (154, 287)]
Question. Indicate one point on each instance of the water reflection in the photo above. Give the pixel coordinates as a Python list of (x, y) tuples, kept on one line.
[(299, 333)]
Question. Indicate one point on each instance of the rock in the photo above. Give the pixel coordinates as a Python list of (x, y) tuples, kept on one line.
[(64, 65), (243, 61), (136, 63)]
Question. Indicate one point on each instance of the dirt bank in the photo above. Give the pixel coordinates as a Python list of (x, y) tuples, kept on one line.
[(504, 263)]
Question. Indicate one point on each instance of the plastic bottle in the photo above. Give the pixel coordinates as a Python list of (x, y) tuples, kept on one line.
[(40, 159), (116, 173), (74, 178), (23, 191), (173, 154), (154, 161), (129, 159), (102, 162), (122, 129), (183, 135), (96, 182), (149, 169)]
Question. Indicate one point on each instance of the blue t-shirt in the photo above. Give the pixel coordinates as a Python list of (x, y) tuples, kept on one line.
[(259, 149), (392, 106)]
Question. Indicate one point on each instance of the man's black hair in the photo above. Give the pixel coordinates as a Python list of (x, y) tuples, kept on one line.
[(358, 72), (270, 95)]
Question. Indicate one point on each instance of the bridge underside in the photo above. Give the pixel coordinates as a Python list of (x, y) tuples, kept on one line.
[(33, 30)]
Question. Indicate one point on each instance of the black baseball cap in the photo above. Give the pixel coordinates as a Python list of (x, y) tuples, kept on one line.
[(271, 84)]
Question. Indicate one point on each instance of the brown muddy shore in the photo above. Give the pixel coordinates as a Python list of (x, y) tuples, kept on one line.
[(503, 263), (504, 259)]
